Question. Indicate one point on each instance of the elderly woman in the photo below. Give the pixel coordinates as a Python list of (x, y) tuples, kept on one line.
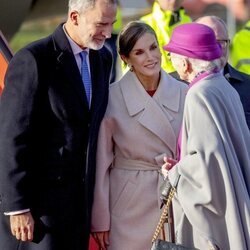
[(141, 125), (212, 176)]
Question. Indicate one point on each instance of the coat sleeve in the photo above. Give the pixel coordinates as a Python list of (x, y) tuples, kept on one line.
[(105, 155), (16, 110)]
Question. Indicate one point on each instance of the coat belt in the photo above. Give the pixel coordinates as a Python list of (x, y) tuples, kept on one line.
[(134, 165), (137, 165)]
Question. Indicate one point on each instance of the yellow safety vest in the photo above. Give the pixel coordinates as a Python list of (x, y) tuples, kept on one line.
[(240, 49), (117, 26), (161, 22)]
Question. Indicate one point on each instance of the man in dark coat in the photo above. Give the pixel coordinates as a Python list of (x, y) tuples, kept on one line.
[(239, 80), (49, 127)]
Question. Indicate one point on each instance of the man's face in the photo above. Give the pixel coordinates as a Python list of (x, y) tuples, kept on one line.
[(95, 25), (222, 37), (170, 5)]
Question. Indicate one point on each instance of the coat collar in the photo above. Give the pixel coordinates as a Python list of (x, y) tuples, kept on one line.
[(136, 98), (232, 74), (154, 110), (167, 93)]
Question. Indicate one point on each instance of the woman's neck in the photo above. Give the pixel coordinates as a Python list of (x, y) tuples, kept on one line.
[(150, 82)]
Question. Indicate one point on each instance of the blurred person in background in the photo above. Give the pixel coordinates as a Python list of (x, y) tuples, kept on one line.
[(140, 127), (111, 42), (165, 16), (240, 49), (55, 96), (212, 177), (239, 80)]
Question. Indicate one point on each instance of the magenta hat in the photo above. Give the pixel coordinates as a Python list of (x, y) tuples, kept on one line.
[(194, 40)]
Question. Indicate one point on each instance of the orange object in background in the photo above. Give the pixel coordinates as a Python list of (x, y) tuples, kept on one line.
[(5, 56), (3, 68)]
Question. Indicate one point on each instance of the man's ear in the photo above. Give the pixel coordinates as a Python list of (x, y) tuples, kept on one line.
[(74, 17)]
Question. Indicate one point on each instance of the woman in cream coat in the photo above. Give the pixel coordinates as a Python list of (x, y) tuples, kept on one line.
[(141, 126)]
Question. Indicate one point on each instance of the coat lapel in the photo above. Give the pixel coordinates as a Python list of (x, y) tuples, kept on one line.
[(67, 62), (154, 111), (98, 83), (69, 66)]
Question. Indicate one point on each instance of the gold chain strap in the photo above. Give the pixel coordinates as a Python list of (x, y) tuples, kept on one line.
[(164, 214)]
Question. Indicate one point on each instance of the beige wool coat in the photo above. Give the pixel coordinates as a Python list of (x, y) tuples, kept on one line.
[(137, 131), (212, 205)]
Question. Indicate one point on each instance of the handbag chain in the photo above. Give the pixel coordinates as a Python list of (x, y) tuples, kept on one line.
[(164, 214)]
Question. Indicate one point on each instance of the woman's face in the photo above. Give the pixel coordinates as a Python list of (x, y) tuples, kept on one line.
[(180, 66), (145, 57)]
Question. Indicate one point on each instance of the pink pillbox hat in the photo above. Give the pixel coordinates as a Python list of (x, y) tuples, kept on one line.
[(194, 40)]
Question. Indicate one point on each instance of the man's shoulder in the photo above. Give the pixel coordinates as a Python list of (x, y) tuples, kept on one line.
[(48, 43), (31, 52), (37, 47), (234, 76)]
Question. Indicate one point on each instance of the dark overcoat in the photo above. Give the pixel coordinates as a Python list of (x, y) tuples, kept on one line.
[(48, 142), (241, 82)]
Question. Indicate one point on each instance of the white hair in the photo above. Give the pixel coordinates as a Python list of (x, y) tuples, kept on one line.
[(199, 65), (82, 5)]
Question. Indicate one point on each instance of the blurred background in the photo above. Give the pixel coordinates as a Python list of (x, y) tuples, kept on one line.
[(23, 21)]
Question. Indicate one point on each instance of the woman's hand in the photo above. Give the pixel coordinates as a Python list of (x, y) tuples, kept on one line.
[(169, 163), (102, 239)]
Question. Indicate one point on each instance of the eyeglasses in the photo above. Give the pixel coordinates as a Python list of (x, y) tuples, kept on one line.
[(170, 57), (223, 42)]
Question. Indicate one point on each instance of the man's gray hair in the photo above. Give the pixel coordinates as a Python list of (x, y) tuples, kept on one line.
[(214, 19), (81, 5)]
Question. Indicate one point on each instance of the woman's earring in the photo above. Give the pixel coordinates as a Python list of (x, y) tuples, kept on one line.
[(130, 67)]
